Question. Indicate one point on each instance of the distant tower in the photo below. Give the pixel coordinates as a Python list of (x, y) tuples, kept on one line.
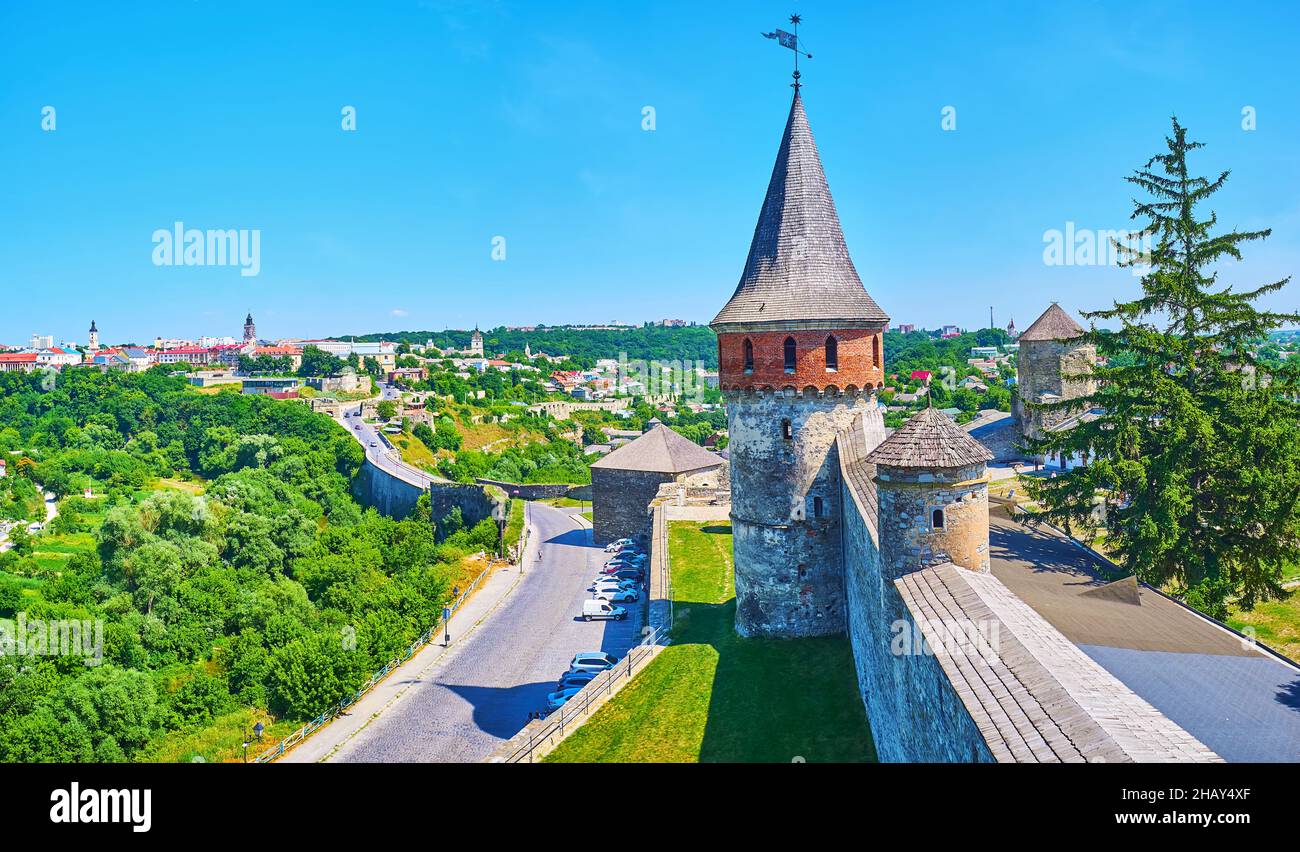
[(93, 341), (1050, 350), (250, 330), (932, 490), (800, 355), (476, 343), (1011, 329)]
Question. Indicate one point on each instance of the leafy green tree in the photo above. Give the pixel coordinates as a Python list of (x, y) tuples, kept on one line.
[(318, 362), (386, 409), (1197, 451)]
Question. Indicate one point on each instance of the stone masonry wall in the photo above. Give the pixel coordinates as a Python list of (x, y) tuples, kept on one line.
[(396, 498), (620, 501), (914, 712), (1041, 367), (786, 508), (908, 538)]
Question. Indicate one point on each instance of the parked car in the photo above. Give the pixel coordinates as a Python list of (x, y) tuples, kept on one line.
[(629, 574), (557, 699), (615, 545), (611, 567), (374, 443), (611, 583), (575, 679), (627, 554), (592, 661), (617, 595), (594, 609)]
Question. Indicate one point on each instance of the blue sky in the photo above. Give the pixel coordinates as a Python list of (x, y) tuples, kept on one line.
[(524, 120)]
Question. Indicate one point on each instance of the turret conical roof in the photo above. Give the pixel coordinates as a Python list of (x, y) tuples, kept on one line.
[(930, 440), (799, 267), (1054, 324)]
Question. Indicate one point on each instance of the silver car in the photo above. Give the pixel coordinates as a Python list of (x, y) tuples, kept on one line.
[(592, 661)]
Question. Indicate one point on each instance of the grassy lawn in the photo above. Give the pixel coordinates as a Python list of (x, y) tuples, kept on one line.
[(1276, 624), (712, 696), (52, 552), (414, 451), (565, 502), (220, 740)]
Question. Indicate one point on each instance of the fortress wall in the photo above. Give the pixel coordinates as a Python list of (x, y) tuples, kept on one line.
[(396, 498), (914, 711)]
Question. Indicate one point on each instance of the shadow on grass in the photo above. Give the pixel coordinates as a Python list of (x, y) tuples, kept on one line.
[(712, 696), (776, 700)]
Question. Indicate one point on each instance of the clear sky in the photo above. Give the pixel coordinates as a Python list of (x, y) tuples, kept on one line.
[(524, 120)]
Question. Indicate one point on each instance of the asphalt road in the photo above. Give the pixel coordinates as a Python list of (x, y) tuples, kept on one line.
[(379, 454), (483, 691)]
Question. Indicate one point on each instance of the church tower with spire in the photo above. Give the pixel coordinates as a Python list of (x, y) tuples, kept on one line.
[(800, 350), (92, 343), (250, 330)]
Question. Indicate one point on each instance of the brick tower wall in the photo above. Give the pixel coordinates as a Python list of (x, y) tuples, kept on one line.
[(860, 351), (789, 564)]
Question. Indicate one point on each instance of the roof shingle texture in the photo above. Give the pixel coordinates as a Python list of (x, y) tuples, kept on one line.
[(660, 450), (799, 268), (1054, 324), (930, 439)]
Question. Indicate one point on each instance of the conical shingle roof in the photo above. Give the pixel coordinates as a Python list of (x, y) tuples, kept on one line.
[(1054, 324), (660, 450), (799, 268), (929, 439)]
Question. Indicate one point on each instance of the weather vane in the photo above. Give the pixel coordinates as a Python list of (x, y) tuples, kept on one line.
[(791, 40)]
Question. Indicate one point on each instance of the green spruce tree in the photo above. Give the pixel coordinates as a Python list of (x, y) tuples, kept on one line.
[(1196, 452)]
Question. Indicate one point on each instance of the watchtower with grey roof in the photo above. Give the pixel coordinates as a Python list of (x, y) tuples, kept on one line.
[(800, 357), (1053, 365)]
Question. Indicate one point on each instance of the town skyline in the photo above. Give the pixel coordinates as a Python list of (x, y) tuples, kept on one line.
[(619, 172)]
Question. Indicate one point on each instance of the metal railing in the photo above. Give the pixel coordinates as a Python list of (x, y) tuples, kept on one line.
[(334, 710), (579, 706)]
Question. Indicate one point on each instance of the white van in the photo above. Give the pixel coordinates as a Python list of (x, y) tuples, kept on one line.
[(602, 609)]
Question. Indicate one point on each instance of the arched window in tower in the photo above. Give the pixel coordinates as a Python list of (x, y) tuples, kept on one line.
[(818, 507), (875, 350), (748, 347), (936, 519), (789, 355), (787, 431), (832, 354)]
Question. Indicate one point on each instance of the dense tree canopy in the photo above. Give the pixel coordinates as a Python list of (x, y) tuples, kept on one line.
[(1196, 453), (272, 589)]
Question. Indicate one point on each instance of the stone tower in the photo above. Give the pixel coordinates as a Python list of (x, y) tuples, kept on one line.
[(932, 491), (800, 356), (1050, 350), (92, 342), (476, 343), (250, 330)]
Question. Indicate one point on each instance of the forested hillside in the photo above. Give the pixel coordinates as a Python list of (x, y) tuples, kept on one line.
[(649, 342), (235, 577)]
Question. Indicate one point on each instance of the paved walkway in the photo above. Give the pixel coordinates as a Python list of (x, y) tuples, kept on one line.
[(325, 742), (462, 703)]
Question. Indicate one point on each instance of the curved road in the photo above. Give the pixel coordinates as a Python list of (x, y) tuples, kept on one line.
[(482, 691), (379, 454)]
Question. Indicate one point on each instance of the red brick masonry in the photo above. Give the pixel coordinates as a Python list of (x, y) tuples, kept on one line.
[(861, 360)]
